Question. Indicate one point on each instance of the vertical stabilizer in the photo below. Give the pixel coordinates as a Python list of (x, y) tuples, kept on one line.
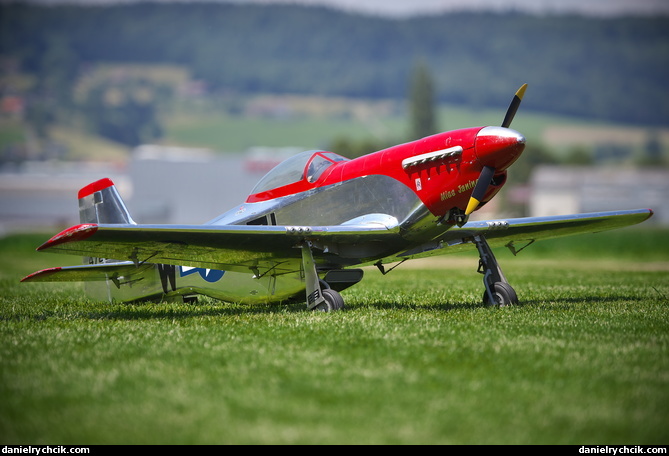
[(100, 202)]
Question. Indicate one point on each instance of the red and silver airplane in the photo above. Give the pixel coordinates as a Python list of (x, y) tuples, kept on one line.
[(314, 220)]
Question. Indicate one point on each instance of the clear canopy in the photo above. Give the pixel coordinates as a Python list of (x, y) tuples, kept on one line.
[(308, 165)]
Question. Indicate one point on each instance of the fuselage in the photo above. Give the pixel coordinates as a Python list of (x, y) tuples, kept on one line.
[(419, 183)]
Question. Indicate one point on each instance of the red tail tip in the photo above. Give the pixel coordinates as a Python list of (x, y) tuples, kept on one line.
[(95, 187)]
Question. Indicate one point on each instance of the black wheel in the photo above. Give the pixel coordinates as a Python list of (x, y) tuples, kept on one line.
[(504, 295), (333, 301)]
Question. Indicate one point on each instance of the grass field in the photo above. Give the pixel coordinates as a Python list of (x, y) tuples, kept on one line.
[(415, 358)]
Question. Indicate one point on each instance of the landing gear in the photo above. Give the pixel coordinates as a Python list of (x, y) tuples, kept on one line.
[(333, 301), (503, 295), (319, 294), (497, 289)]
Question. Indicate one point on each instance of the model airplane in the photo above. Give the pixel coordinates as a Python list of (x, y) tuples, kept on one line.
[(310, 224)]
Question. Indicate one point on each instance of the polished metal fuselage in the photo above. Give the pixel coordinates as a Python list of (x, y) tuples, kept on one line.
[(370, 200)]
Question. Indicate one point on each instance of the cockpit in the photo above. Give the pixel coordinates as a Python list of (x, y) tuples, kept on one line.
[(308, 166)]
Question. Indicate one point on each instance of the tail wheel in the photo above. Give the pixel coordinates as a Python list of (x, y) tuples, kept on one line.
[(503, 294), (333, 301)]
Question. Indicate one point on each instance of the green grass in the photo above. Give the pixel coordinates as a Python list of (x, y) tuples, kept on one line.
[(414, 359)]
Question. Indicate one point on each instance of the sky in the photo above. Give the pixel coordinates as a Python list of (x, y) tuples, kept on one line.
[(399, 8)]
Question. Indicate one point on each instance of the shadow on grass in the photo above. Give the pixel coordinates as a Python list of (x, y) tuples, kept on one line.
[(179, 311), (213, 308), (563, 302), (411, 306), (159, 311)]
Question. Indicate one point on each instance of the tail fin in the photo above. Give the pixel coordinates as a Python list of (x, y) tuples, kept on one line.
[(100, 202)]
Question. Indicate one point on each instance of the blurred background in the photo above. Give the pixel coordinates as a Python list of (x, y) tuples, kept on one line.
[(185, 105)]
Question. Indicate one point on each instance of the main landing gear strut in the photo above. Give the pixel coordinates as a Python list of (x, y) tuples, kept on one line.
[(319, 294), (497, 288)]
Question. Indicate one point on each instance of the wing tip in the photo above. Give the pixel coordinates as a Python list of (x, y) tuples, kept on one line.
[(75, 233), (645, 213)]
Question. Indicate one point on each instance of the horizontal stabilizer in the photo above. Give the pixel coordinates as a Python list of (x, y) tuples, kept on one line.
[(86, 273)]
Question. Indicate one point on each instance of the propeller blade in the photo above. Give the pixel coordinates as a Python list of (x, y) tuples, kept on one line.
[(481, 187), (513, 107)]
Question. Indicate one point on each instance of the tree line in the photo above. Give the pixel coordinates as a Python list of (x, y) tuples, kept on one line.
[(613, 69)]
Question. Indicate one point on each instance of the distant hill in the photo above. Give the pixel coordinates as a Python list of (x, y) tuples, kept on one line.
[(614, 69)]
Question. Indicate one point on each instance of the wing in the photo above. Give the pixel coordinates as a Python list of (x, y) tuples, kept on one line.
[(229, 247), (519, 232), (276, 248)]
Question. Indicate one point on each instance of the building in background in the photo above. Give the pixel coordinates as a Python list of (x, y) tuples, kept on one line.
[(159, 185), (556, 190), (192, 186)]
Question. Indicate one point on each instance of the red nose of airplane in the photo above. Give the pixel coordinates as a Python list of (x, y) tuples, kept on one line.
[(498, 147)]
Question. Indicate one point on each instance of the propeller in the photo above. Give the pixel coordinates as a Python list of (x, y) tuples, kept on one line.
[(487, 173), (513, 107), (479, 190)]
